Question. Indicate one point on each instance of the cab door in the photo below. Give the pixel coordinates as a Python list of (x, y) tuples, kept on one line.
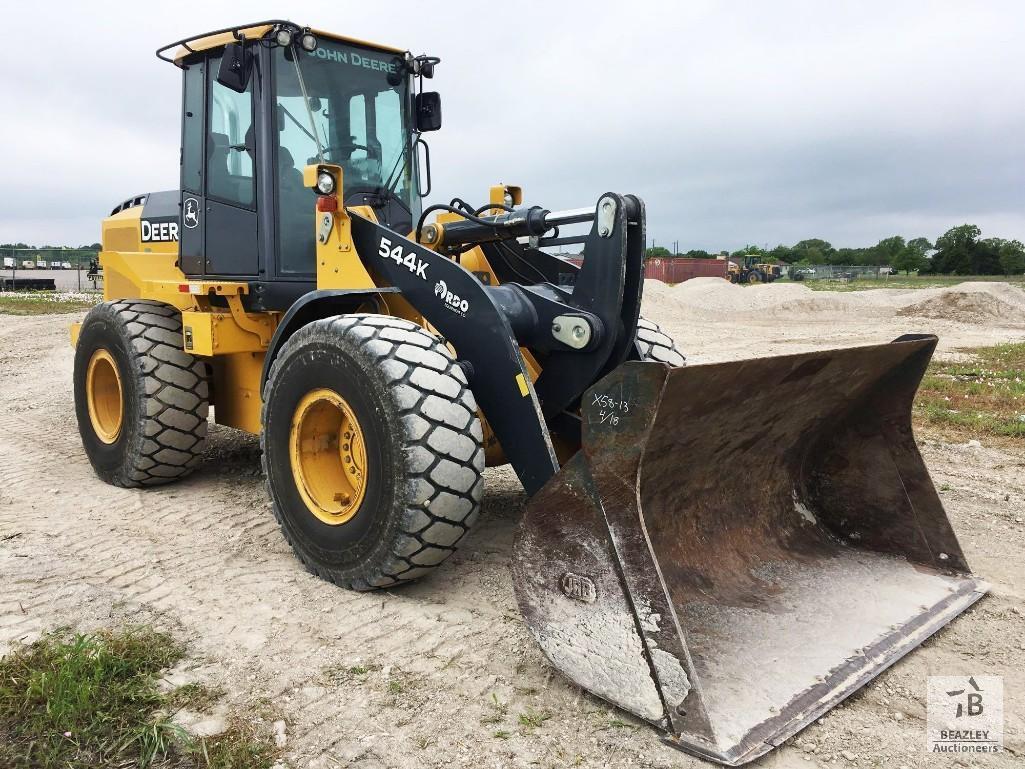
[(191, 257), (218, 208)]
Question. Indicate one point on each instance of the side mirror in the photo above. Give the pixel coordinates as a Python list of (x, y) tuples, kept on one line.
[(234, 70), (428, 111)]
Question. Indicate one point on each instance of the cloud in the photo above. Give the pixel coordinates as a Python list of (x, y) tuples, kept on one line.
[(736, 122)]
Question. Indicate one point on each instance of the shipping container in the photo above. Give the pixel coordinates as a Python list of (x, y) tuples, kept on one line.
[(681, 269)]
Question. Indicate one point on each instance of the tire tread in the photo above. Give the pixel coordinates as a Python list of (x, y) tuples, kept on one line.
[(444, 474), (174, 390), (656, 345)]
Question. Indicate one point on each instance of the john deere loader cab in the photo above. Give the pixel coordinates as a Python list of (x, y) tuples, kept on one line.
[(383, 358), (254, 118)]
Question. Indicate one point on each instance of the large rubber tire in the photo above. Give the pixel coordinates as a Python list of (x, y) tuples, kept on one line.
[(164, 394), (654, 344), (423, 447)]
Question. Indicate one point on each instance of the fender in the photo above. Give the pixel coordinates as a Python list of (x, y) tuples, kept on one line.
[(314, 306)]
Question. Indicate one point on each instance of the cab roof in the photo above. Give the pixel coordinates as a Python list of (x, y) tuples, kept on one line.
[(252, 31)]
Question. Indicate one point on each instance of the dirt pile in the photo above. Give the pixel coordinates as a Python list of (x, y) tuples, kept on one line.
[(715, 299), (972, 303)]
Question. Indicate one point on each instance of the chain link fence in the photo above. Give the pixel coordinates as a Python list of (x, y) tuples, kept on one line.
[(62, 269), (839, 272)]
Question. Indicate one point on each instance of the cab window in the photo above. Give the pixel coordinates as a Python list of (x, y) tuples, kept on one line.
[(192, 129), (230, 144)]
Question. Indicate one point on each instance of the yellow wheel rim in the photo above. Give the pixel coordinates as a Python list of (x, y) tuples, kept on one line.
[(103, 396), (328, 456)]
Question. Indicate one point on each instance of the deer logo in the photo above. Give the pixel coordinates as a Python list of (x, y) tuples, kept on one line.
[(191, 213)]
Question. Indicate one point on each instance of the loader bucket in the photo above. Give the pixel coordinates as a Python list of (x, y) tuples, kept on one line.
[(739, 546)]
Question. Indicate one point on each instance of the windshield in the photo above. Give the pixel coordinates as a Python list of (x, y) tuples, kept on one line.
[(362, 124)]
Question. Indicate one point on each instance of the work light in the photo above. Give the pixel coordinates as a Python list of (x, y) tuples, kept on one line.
[(283, 37), (308, 42), (325, 183)]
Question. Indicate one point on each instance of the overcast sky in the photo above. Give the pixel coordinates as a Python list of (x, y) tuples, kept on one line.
[(736, 122)]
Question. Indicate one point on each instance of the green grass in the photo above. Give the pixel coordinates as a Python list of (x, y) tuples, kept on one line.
[(195, 696), (45, 302), (499, 711), (532, 719), (240, 746), (984, 398), (907, 281), (91, 700)]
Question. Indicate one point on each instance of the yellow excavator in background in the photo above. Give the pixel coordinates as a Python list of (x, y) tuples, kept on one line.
[(752, 271), (295, 287)]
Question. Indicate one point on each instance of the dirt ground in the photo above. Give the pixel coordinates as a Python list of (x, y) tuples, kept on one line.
[(444, 673)]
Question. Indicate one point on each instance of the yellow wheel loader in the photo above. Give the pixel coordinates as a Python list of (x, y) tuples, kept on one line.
[(294, 287)]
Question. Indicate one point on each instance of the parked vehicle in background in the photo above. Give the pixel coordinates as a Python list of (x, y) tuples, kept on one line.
[(28, 264), (752, 271), (40, 264), (10, 262), (55, 265), (65, 265), (802, 273)]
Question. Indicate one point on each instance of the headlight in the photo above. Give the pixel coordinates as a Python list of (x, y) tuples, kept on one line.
[(308, 42), (325, 183), (283, 37)]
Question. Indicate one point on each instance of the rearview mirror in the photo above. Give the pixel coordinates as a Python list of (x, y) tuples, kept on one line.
[(234, 70), (428, 111)]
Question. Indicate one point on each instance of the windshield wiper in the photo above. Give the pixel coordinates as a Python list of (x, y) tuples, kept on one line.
[(300, 126)]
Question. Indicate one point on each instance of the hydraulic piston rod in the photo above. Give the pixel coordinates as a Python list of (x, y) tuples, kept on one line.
[(524, 222)]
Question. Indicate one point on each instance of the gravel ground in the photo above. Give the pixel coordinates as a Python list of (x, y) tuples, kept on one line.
[(444, 673)]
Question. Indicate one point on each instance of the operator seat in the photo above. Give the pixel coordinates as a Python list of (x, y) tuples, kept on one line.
[(219, 182), (296, 216)]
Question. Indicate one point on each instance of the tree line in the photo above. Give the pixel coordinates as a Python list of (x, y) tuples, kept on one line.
[(24, 246), (960, 251)]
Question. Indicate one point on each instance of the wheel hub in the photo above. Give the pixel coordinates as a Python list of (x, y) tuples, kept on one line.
[(104, 396), (328, 456)]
